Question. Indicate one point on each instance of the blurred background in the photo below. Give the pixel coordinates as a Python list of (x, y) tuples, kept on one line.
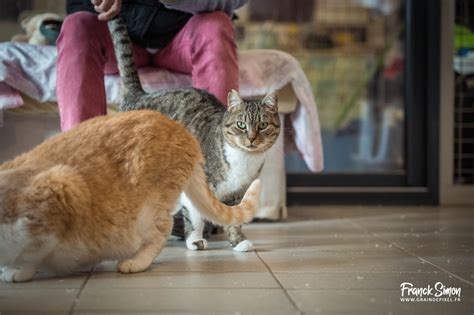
[(352, 53), (393, 83)]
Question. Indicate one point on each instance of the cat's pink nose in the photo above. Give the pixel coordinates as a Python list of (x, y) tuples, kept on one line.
[(251, 135)]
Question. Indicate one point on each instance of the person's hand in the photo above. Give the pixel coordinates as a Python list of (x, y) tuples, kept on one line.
[(107, 9)]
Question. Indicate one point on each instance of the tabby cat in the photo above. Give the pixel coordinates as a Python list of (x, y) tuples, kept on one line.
[(105, 190), (233, 140)]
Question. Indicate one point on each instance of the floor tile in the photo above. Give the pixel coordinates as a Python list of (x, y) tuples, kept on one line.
[(312, 235), (332, 242), (263, 301), (467, 277), (364, 280), (299, 228), (454, 263), (421, 242), (371, 302), (322, 213), (221, 260), (37, 300), (434, 222), (344, 261), (330, 260), (43, 281), (119, 312), (167, 279)]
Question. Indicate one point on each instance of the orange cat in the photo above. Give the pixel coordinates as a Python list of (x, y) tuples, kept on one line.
[(105, 190)]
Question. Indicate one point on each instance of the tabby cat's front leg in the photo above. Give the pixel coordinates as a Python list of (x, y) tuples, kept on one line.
[(238, 241), (194, 232)]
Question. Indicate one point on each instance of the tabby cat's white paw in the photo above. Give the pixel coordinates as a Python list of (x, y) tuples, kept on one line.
[(196, 243), (16, 275), (244, 246)]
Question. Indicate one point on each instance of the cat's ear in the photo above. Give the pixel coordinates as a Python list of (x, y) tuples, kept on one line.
[(233, 100), (271, 100)]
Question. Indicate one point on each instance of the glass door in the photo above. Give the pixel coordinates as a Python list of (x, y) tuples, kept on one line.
[(369, 64)]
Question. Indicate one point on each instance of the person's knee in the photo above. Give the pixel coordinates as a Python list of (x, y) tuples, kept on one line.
[(80, 26), (214, 27)]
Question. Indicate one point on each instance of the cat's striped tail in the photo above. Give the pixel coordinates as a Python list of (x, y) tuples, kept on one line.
[(203, 199), (124, 54)]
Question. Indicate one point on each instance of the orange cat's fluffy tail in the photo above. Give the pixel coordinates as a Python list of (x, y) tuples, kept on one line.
[(211, 208)]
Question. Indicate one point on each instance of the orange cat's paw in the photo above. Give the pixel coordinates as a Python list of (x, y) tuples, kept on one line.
[(131, 266), (16, 275)]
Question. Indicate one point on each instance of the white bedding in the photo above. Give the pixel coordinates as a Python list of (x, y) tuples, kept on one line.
[(31, 69)]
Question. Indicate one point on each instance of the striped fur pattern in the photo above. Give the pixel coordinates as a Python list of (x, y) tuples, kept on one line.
[(105, 190), (233, 139)]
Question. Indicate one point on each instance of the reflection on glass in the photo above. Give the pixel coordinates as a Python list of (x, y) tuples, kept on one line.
[(352, 53)]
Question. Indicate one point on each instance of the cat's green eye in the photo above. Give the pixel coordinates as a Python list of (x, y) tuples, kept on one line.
[(262, 125), (241, 125)]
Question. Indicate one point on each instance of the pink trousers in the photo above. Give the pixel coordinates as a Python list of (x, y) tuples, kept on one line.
[(204, 48)]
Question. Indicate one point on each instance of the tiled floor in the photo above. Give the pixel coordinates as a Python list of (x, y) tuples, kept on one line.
[(328, 260)]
